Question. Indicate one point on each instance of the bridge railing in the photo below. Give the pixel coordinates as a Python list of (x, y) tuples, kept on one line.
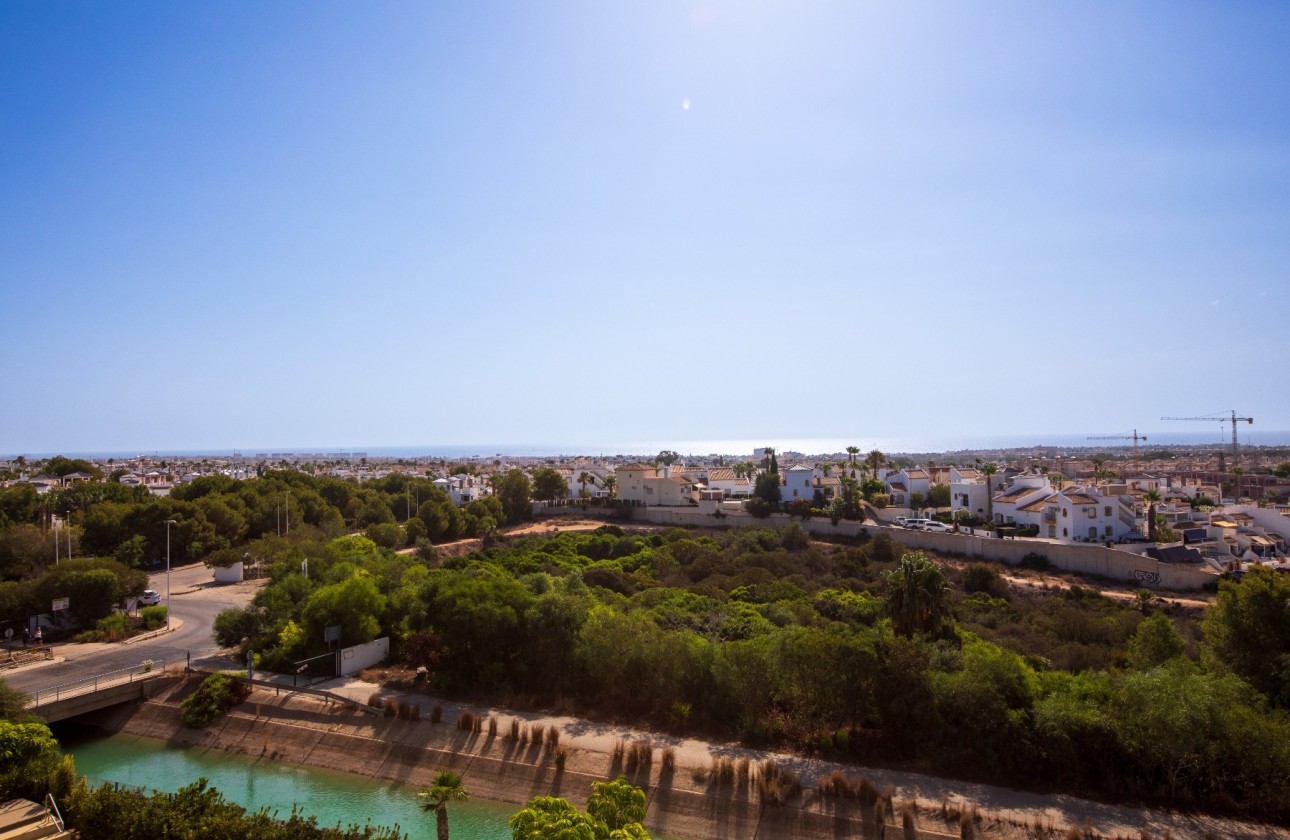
[(87, 685)]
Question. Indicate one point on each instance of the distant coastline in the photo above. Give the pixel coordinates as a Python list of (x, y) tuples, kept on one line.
[(912, 445)]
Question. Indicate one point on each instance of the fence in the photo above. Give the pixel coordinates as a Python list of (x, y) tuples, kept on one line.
[(147, 669)]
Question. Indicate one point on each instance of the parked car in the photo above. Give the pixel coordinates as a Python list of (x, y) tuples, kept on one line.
[(149, 598), (916, 524), (902, 521), (933, 525)]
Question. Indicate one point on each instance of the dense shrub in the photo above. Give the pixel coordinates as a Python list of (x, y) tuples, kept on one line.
[(153, 617), (216, 695)]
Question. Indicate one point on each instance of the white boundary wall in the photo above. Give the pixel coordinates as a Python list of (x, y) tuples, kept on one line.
[(358, 657), (1083, 559), (229, 574)]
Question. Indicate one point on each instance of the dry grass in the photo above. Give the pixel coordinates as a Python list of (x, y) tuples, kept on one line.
[(492, 727), (375, 701), (640, 755), (552, 737), (466, 721), (909, 821), (561, 753), (391, 707), (669, 760), (515, 729), (436, 714), (775, 785)]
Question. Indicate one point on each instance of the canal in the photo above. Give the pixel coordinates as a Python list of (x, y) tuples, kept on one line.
[(329, 796)]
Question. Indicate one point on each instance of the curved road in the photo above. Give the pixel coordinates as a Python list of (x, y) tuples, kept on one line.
[(195, 601)]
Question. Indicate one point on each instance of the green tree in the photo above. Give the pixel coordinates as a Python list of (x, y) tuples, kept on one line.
[(938, 496), (1155, 642), (614, 812), (353, 604), (874, 460), (30, 755), (916, 591), (445, 788), (583, 478), (1248, 629), (989, 471), (131, 552), (549, 485), (515, 495), (616, 803), (767, 489), (1153, 527)]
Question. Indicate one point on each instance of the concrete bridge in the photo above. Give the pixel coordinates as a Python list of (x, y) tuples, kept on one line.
[(89, 694)]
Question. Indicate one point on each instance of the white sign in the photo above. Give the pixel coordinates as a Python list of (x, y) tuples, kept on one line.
[(61, 603)]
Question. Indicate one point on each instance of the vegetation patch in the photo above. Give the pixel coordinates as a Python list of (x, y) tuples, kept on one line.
[(216, 695)]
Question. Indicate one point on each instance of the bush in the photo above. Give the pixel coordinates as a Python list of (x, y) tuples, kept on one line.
[(1035, 562), (760, 508), (153, 617), (216, 695), (982, 578), (114, 628)]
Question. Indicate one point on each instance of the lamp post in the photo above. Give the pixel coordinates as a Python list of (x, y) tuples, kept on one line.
[(287, 513), (169, 522)]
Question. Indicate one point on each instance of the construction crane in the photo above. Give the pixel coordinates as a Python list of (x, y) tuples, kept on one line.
[(1135, 437), (1230, 417)]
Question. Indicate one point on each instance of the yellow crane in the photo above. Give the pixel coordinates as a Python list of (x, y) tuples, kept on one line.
[(1229, 417), (1135, 437)]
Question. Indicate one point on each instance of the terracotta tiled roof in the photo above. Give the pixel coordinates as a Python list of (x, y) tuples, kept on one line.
[(636, 467), (1036, 506), (721, 475)]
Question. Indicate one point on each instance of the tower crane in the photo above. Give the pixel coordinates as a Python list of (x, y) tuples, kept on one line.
[(1230, 417), (1135, 437)]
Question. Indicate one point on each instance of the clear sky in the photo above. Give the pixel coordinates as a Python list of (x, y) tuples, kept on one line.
[(313, 224)]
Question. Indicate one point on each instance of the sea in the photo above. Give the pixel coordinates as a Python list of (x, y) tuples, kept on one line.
[(734, 447)]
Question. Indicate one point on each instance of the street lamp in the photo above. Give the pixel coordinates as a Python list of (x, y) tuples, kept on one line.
[(169, 522)]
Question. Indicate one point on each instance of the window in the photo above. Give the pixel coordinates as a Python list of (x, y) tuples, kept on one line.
[(1092, 512), (1064, 512), (1092, 533), (1108, 530), (1106, 511)]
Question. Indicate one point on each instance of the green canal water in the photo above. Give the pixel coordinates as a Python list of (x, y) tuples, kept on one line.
[(329, 796)]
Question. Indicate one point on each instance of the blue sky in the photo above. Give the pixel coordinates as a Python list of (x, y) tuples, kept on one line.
[(316, 224)]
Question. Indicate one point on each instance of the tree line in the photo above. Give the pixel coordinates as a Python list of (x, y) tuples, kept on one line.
[(853, 651)]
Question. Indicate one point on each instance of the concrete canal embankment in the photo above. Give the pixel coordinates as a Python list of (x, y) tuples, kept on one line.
[(291, 727)]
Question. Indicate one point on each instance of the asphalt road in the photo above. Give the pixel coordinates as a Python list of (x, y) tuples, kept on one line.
[(195, 601)]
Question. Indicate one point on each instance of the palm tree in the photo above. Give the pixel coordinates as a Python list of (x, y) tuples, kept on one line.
[(583, 479), (916, 594), (874, 459), (852, 452), (989, 471), (1153, 530), (611, 484), (447, 787)]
